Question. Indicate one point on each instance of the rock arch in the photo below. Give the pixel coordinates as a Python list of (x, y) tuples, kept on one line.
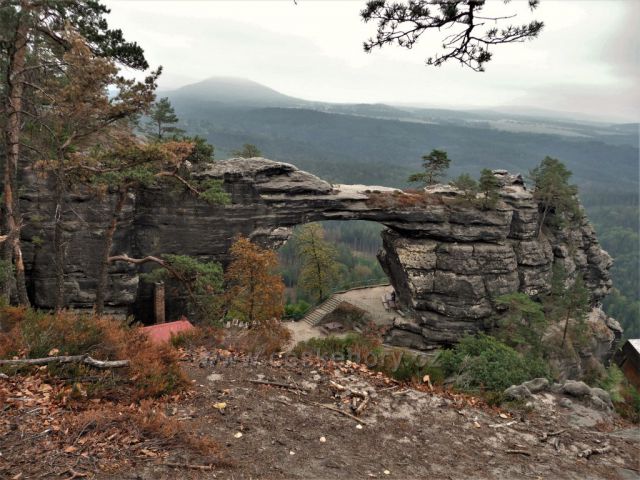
[(447, 260)]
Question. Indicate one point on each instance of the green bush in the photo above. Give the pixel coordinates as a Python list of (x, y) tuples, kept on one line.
[(368, 350), (296, 310), (625, 397), (351, 346), (484, 363)]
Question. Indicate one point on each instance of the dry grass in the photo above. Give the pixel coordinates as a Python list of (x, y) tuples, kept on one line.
[(409, 199), (262, 340), (145, 422), (153, 371)]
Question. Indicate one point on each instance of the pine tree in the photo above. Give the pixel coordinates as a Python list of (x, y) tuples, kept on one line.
[(489, 187), (255, 291), (248, 150), (32, 44), (319, 267), (467, 185), (568, 302), (162, 120), (77, 115), (403, 22), (553, 192), (523, 323), (435, 165)]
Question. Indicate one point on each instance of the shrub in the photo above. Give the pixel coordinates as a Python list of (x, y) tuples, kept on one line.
[(484, 363), (265, 339), (352, 346), (296, 310), (153, 370), (625, 397)]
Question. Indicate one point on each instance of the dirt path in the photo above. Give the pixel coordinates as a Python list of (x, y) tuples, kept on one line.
[(293, 431), (406, 435)]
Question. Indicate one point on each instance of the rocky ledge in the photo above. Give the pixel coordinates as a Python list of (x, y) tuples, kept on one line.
[(447, 260)]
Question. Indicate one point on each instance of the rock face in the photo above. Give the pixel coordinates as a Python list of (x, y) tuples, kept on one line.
[(447, 260)]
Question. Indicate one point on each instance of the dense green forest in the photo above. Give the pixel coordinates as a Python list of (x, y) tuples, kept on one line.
[(381, 144)]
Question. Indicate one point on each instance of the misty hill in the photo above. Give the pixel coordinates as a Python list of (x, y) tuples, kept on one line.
[(236, 92)]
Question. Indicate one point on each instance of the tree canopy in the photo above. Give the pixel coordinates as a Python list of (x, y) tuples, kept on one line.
[(435, 165), (553, 192), (255, 291), (248, 150), (319, 267)]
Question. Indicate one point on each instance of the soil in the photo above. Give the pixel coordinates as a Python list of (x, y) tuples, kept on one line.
[(274, 432)]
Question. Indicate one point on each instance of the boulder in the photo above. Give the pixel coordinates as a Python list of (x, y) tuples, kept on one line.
[(517, 392), (537, 385), (576, 389)]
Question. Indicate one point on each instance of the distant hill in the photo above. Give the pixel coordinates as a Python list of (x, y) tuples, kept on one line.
[(234, 92)]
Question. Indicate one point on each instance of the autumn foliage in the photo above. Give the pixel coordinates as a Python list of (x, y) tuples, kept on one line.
[(153, 370), (255, 296), (255, 293)]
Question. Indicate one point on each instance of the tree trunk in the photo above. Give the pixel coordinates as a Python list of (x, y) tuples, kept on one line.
[(103, 274), (542, 219), (58, 239), (13, 108), (566, 328)]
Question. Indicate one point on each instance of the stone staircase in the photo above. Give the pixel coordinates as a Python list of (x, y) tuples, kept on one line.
[(315, 315)]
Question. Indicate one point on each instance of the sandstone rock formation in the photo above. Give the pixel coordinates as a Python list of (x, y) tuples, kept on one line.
[(446, 259)]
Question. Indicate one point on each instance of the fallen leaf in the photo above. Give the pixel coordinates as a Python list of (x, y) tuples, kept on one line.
[(220, 405), (70, 449)]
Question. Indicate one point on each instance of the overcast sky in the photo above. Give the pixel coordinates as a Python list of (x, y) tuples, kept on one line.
[(587, 59)]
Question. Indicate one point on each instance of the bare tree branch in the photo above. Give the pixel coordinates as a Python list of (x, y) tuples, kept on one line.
[(403, 23)]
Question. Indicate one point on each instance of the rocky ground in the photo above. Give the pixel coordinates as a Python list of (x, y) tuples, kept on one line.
[(289, 418)]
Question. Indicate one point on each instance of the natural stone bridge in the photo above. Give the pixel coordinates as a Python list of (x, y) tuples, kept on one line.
[(447, 260)]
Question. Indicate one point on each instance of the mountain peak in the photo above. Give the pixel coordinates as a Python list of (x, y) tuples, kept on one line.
[(235, 91)]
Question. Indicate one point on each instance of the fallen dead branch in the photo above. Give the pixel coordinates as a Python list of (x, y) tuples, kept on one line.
[(362, 406), (281, 385), (546, 435), (334, 409), (518, 452), (594, 451), (408, 391), (86, 359), (506, 424), (188, 466), (75, 474)]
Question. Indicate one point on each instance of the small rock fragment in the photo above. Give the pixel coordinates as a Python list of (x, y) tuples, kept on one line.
[(237, 434), (322, 439), (565, 402)]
